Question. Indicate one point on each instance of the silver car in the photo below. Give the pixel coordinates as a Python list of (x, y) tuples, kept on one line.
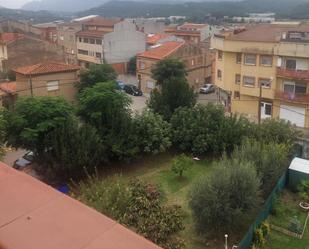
[(24, 161), (208, 88)]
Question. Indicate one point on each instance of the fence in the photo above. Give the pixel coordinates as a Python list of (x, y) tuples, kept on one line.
[(247, 239)]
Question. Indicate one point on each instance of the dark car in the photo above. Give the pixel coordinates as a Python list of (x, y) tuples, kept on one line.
[(24, 161), (208, 88), (133, 90)]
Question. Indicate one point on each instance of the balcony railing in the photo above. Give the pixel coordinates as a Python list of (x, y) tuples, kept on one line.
[(296, 74), (292, 97)]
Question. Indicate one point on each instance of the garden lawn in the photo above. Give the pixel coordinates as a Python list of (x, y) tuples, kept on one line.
[(286, 208)]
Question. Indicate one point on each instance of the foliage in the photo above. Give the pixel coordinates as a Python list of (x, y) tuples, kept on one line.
[(276, 131), (270, 160), (107, 109), (132, 65), (74, 149), (152, 132), (95, 74), (265, 227), (303, 190), (181, 164), (221, 200), (174, 92), (28, 125), (258, 238), (203, 129), (295, 225)]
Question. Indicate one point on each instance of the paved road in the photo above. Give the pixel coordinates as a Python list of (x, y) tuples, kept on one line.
[(12, 155)]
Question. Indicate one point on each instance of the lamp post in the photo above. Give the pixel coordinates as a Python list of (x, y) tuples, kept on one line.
[(226, 236)]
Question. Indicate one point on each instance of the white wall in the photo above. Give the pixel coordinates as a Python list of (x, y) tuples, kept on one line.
[(123, 43)]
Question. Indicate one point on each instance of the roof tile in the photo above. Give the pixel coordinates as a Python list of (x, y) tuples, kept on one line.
[(162, 51)]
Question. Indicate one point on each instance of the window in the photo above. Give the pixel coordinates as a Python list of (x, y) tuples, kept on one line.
[(265, 83), (150, 85), (237, 79), (295, 88), (220, 55), (289, 86), (266, 110), (98, 55), (53, 85), (98, 41), (86, 40), (301, 88), (238, 58), (61, 37), (141, 65), (92, 41), (266, 60), (80, 39), (219, 74), (248, 81), (81, 51), (250, 59), (290, 64), (192, 62), (236, 95)]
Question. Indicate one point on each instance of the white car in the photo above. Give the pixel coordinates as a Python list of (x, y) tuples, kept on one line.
[(208, 88)]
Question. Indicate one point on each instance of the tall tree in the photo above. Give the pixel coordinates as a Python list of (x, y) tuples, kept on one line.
[(173, 89), (96, 74)]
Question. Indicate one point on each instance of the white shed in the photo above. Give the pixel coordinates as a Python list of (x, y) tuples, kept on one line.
[(298, 171)]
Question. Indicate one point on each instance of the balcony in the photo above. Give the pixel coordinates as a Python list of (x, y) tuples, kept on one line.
[(292, 97), (294, 74)]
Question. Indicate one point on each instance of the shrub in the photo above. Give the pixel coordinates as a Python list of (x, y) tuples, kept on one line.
[(258, 238), (265, 227), (219, 201), (181, 164), (295, 226), (303, 190)]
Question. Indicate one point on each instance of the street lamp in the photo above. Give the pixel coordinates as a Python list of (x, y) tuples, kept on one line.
[(226, 236)]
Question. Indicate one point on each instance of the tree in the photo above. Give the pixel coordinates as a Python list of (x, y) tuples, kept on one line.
[(269, 159), (220, 201), (95, 74), (152, 132), (108, 109), (181, 164), (28, 125), (132, 65), (174, 90), (205, 128)]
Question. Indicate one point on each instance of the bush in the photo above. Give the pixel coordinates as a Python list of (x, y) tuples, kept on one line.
[(152, 133), (219, 201), (265, 227), (203, 129), (258, 238), (181, 164), (303, 190), (270, 160)]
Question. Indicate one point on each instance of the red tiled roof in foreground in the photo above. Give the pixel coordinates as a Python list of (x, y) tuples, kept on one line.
[(8, 87), (10, 37), (35, 216), (162, 51), (46, 68)]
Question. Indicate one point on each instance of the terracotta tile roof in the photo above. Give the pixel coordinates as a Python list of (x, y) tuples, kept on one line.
[(36, 216), (162, 51), (267, 32), (8, 87), (46, 68), (10, 37), (91, 33), (192, 26), (153, 39), (99, 21)]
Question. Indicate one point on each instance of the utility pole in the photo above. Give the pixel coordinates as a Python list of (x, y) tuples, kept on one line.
[(259, 105), (31, 88)]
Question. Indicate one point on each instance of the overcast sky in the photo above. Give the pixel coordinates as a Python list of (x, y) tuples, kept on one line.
[(13, 3)]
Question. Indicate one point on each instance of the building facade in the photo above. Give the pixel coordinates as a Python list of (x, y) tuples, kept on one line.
[(265, 70)]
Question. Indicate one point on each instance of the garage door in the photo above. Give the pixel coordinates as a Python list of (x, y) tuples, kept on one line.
[(296, 115)]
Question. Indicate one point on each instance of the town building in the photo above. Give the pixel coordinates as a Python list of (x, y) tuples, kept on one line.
[(256, 17), (266, 64), (191, 54), (155, 39), (18, 50), (190, 32), (47, 79), (48, 31)]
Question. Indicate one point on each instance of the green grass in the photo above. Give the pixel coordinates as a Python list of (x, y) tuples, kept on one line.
[(287, 208)]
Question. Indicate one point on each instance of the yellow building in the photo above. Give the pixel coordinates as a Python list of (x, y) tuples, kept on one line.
[(267, 62)]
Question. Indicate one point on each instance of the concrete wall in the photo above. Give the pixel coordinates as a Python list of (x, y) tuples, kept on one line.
[(20, 27), (92, 50), (123, 43), (66, 89)]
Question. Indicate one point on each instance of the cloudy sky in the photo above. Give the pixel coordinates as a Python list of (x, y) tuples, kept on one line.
[(13, 3)]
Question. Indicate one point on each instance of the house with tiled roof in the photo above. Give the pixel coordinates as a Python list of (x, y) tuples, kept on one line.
[(191, 54), (47, 79), (155, 39)]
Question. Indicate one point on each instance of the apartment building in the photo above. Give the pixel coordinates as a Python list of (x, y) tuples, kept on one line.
[(191, 54), (266, 64)]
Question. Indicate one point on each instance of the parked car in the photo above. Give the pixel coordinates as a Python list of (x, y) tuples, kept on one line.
[(208, 88), (24, 161), (120, 85), (133, 90)]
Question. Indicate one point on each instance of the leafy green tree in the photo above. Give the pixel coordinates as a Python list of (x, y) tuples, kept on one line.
[(95, 74), (108, 109), (303, 190), (181, 164), (173, 89), (152, 132), (269, 159), (28, 125), (132, 65), (219, 202), (205, 128)]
